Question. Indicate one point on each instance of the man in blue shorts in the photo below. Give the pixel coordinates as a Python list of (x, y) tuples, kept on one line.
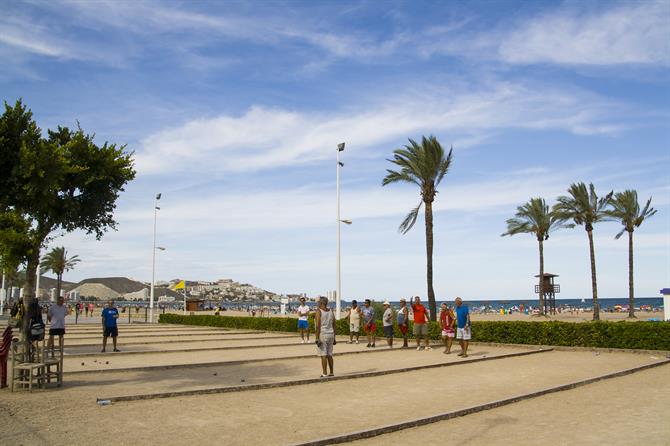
[(109, 316), (303, 323)]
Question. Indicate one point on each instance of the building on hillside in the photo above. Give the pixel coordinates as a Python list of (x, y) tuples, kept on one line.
[(104, 288)]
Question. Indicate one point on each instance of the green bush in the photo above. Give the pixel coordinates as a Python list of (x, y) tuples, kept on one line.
[(628, 335)]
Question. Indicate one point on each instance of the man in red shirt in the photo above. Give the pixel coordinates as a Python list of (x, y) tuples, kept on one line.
[(420, 323)]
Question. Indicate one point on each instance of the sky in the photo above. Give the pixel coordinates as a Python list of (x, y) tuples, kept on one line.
[(234, 111)]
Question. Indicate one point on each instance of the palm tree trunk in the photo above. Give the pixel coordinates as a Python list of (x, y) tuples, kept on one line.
[(59, 284), (631, 292), (594, 284), (429, 260), (541, 243)]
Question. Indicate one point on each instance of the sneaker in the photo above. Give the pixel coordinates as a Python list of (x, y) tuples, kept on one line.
[(373, 346), (102, 351), (117, 350), (356, 341), (368, 345), (418, 348), (428, 348), (331, 374)]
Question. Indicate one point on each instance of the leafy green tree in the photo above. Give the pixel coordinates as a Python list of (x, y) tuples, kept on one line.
[(626, 209), (58, 262), (535, 218), (423, 165), (61, 182), (583, 207)]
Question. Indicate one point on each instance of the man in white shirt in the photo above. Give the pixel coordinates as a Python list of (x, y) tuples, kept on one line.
[(303, 323), (56, 317)]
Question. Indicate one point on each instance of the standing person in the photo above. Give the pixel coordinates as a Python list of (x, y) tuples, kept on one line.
[(369, 320), (109, 316), (303, 323), (324, 325), (90, 309), (56, 317), (464, 332), (447, 322), (420, 323), (86, 309), (403, 321), (387, 323), (354, 322)]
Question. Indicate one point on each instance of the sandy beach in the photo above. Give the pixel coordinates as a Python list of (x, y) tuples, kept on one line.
[(566, 316)]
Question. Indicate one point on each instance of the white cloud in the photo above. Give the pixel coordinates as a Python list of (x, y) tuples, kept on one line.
[(633, 33), (265, 137), (628, 33)]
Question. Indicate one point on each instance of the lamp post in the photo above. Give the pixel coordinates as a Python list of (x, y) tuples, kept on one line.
[(338, 292), (153, 262)]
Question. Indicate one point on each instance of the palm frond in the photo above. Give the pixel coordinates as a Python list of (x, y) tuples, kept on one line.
[(409, 220)]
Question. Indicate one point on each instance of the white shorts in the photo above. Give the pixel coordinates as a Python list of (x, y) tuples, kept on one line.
[(326, 348), (463, 333)]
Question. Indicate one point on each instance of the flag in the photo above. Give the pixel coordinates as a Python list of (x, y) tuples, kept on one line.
[(180, 286)]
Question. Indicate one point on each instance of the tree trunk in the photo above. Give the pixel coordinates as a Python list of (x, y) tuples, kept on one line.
[(594, 284), (631, 292), (28, 296), (429, 260), (59, 284), (541, 243)]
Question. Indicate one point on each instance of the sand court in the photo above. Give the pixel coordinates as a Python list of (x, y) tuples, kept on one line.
[(246, 387)]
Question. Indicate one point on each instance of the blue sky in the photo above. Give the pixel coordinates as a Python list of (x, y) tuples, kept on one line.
[(234, 111)]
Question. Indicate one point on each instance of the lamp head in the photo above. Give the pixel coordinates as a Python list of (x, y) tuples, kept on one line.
[(340, 147), (346, 222), (158, 196)]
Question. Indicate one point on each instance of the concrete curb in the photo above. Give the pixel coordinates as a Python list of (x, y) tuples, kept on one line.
[(360, 435), (300, 382), (565, 348), (220, 363), (174, 341), (161, 335), (182, 350)]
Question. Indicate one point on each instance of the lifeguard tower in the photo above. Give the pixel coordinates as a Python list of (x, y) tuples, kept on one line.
[(549, 291)]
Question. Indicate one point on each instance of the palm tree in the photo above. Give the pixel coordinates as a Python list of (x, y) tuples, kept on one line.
[(626, 209), (57, 261), (585, 208), (423, 165), (534, 217)]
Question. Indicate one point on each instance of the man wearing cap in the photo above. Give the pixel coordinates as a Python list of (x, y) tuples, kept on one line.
[(387, 322), (303, 323), (420, 323), (403, 321), (369, 319)]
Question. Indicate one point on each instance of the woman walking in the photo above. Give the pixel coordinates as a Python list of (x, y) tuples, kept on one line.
[(325, 336)]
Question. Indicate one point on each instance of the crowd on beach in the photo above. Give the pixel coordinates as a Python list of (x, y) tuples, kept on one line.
[(454, 323)]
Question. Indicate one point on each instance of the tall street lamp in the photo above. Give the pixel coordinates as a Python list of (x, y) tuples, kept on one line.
[(338, 292), (153, 262)]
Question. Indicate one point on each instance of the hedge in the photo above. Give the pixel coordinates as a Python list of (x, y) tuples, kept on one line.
[(640, 335)]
